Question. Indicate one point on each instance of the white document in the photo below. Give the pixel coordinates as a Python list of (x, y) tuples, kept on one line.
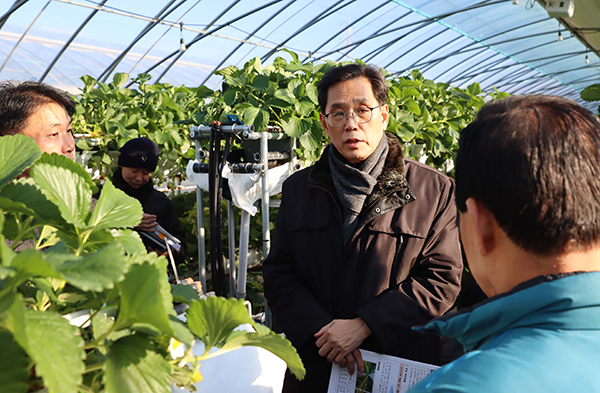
[(383, 374)]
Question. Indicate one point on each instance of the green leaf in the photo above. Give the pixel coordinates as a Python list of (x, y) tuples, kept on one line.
[(591, 93), (143, 297), (133, 366), (293, 54), (296, 127), (64, 162), (67, 189), (129, 240), (57, 350), (474, 89), (260, 83), (256, 116), (15, 207), (119, 79), (94, 272), (272, 342), (285, 95), (17, 153), (412, 106), (115, 209), (212, 320), (304, 106), (14, 365), (26, 192), (30, 263), (312, 140), (183, 293), (312, 93), (181, 332)]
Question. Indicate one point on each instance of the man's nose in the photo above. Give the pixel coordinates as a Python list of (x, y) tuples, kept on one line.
[(351, 123), (68, 145)]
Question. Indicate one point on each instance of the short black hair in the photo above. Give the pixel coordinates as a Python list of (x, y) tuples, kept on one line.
[(534, 162), (352, 71), (19, 100)]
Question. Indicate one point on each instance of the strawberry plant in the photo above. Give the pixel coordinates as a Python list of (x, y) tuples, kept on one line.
[(83, 306)]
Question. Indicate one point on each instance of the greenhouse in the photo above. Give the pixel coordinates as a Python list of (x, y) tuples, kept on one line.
[(247, 193)]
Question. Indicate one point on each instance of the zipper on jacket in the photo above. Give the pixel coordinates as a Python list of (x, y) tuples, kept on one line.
[(396, 264)]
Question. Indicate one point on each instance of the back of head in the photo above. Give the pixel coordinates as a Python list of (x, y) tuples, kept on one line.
[(19, 100), (139, 153), (534, 162), (352, 71)]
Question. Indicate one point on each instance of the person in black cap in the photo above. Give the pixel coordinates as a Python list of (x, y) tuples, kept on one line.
[(137, 161)]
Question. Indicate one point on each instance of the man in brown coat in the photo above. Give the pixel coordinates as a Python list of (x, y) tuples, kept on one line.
[(366, 242)]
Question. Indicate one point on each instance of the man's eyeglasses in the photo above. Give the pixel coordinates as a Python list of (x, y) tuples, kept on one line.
[(360, 116)]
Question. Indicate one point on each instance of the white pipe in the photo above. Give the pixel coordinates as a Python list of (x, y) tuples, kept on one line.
[(243, 265)]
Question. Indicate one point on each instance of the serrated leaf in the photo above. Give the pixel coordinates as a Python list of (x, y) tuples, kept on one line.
[(143, 297), (65, 188), (304, 106), (115, 209), (14, 365), (25, 191), (312, 93), (17, 153), (312, 140), (184, 293), (64, 162), (129, 240), (285, 95), (295, 126), (57, 350), (272, 342), (256, 116), (30, 263), (94, 272), (212, 320), (133, 366)]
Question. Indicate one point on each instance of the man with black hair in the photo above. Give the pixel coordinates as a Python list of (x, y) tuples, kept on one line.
[(39, 111), (366, 242), (528, 191)]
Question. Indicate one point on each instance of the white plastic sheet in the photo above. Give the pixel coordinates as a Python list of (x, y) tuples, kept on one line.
[(246, 188)]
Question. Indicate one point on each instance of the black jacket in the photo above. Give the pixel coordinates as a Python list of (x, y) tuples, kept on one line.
[(402, 266), (157, 203)]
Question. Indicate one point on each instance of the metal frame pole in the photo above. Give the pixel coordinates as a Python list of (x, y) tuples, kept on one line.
[(200, 221)]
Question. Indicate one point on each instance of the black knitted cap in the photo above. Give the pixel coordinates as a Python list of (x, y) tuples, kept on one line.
[(139, 153)]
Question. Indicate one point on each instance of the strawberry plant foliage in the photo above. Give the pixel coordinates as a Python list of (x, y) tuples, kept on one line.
[(59, 260)]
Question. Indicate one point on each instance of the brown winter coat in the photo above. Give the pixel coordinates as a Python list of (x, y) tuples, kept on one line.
[(402, 267)]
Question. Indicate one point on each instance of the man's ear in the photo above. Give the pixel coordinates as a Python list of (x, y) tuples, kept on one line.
[(484, 226), (385, 116)]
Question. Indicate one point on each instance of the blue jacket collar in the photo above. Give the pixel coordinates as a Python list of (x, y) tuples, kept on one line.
[(546, 302)]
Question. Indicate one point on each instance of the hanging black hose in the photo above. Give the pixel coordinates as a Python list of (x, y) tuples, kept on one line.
[(215, 182)]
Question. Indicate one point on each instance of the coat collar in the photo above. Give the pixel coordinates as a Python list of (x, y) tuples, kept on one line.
[(390, 180), (568, 301)]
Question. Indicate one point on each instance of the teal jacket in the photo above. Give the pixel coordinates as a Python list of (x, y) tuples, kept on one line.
[(543, 336)]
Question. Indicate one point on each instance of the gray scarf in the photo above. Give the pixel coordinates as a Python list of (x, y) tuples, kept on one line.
[(354, 183)]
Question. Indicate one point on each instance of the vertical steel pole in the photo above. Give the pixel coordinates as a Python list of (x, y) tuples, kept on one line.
[(264, 154), (200, 221)]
